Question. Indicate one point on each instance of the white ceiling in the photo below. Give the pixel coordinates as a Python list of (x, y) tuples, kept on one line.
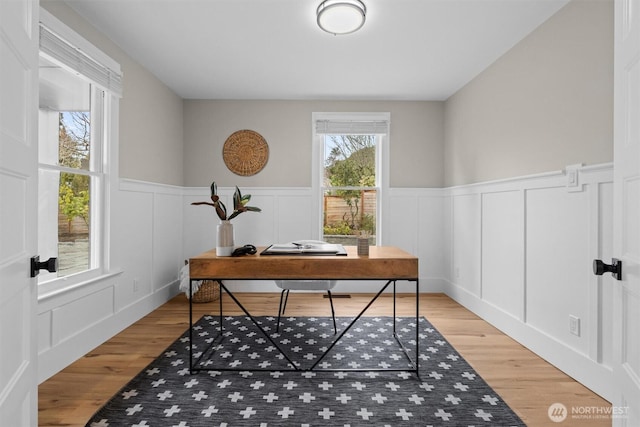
[(273, 49)]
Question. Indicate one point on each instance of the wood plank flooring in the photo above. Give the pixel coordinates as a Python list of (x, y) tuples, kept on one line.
[(526, 382)]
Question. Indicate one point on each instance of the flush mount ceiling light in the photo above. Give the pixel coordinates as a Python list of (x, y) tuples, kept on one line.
[(341, 16)]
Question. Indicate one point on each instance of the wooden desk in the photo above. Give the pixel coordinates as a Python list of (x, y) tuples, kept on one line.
[(384, 263)]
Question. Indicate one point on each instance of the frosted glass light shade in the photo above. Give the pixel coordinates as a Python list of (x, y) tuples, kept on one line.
[(341, 16)]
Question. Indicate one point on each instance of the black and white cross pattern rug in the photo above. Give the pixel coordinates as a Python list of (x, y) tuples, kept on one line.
[(448, 392)]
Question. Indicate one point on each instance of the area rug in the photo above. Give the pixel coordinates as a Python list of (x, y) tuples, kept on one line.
[(448, 392)]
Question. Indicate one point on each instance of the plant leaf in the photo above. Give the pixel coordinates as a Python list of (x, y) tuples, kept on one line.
[(221, 209), (237, 201)]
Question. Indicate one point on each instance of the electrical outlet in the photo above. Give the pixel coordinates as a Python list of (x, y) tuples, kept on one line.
[(457, 272), (574, 325), (135, 285)]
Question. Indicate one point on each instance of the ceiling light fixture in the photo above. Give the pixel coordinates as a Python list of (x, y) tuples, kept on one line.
[(341, 16)]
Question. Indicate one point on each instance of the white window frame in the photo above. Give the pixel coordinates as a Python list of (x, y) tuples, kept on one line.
[(105, 179), (382, 165)]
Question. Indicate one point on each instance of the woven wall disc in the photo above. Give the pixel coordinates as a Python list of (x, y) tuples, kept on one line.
[(245, 152)]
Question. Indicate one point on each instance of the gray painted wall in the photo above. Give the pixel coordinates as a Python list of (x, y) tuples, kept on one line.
[(545, 104), (416, 140), (151, 133)]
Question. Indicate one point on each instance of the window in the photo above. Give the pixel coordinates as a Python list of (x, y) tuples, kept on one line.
[(351, 172), (70, 171), (76, 101)]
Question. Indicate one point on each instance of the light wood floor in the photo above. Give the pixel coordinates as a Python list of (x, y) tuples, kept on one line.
[(526, 382)]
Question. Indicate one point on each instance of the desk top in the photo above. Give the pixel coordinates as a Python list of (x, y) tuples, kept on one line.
[(383, 262)]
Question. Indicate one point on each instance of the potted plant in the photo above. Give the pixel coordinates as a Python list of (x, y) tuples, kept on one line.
[(225, 240)]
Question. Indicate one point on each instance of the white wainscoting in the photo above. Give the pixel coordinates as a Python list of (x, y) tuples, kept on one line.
[(521, 252), (414, 224), (516, 252), (145, 256)]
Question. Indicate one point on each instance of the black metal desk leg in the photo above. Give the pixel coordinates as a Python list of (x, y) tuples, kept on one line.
[(394, 308), (220, 303), (418, 328), (190, 327)]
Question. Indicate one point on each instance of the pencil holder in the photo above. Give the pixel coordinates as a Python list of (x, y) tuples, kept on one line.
[(363, 246)]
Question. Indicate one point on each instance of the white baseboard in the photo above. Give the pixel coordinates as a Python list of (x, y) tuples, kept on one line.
[(580, 367)]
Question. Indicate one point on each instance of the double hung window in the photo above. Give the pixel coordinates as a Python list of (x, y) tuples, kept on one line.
[(352, 147), (77, 93)]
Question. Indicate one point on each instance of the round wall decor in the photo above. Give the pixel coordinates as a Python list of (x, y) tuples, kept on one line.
[(245, 152)]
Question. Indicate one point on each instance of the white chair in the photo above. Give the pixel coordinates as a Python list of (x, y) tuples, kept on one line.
[(306, 285)]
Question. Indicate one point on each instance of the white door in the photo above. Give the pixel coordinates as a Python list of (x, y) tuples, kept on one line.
[(18, 209), (626, 237)]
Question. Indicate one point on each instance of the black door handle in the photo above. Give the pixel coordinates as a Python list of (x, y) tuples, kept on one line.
[(51, 265), (615, 268)]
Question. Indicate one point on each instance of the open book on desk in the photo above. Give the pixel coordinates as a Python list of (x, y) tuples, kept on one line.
[(305, 248)]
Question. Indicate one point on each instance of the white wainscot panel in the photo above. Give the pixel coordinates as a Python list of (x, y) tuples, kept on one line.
[(466, 242), (199, 232), (295, 221), (403, 222), (558, 263), (132, 250), (167, 239), (432, 256), (86, 311), (503, 251), (255, 228), (447, 237)]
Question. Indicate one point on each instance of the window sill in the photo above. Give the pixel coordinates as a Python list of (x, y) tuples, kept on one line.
[(59, 287)]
